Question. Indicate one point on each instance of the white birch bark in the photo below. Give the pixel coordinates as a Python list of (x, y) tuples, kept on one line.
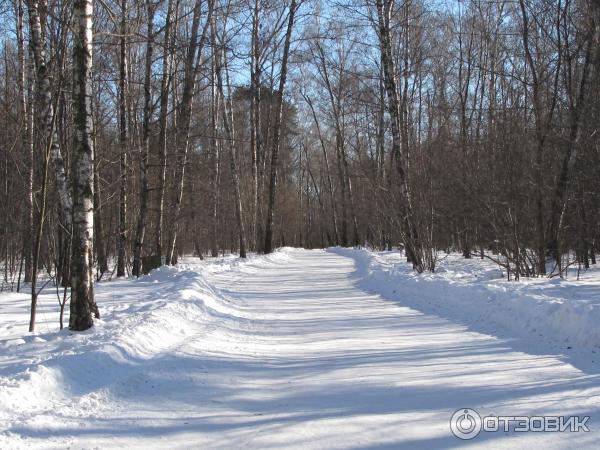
[(82, 283)]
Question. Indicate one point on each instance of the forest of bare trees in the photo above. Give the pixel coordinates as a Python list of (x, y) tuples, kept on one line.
[(134, 132)]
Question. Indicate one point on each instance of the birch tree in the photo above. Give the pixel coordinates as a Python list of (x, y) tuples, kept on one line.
[(384, 14), (46, 107), (83, 305), (25, 88), (46, 110)]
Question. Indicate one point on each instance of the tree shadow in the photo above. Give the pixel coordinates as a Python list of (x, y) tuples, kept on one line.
[(327, 366)]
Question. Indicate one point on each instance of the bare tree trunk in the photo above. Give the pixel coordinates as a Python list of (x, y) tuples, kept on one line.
[(38, 240), (464, 83), (214, 111), (576, 100), (6, 188), (277, 130), (384, 13), (162, 136), (255, 132), (141, 225), (46, 108), (30, 151), (327, 172), (356, 240), (99, 246), (542, 126), (123, 137), (317, 193), (229, 138), (82, 282), (343, 186), (185, 115), (26, 115), (343, 169)]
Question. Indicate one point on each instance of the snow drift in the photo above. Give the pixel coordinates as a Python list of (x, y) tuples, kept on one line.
[(59, 371), (554, 311)]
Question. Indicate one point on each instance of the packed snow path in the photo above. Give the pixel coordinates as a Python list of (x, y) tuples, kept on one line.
[(302, 357)]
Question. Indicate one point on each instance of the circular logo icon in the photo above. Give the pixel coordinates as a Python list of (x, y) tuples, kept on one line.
[(465, 423)]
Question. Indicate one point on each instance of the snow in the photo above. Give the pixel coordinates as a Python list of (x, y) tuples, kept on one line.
[(552, 313), (302, 349)]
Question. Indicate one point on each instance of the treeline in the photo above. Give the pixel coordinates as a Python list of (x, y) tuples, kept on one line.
[(241, 125)]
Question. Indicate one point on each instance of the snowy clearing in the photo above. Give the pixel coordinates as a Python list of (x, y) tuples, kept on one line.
[(303, 349)]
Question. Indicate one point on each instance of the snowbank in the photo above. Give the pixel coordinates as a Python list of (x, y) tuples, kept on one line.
[(51, 372), (556, 312), (286, 351)]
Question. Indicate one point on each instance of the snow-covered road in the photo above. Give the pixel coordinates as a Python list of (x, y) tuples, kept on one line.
[(296, 354)]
